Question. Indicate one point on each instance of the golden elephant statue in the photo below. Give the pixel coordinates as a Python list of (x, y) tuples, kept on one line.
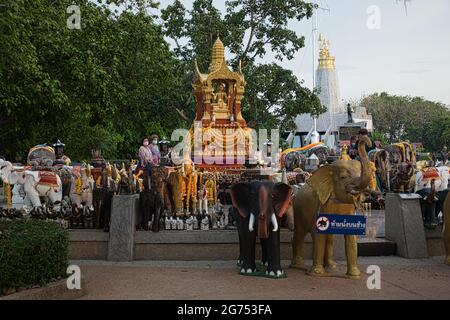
[(333, 189)]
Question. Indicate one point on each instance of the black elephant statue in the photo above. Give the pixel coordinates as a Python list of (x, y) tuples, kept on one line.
[(259, 209), (151, 209), (102, 200)]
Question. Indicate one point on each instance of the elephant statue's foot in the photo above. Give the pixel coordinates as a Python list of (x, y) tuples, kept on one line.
[(331, 265), (278, 274), (297, 263), (353, 272), (247, 272), (316, 270)]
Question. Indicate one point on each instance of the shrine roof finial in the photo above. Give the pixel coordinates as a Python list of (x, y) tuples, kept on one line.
[(218, 55)]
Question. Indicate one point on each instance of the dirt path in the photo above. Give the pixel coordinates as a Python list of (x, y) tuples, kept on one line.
[(400, 279)]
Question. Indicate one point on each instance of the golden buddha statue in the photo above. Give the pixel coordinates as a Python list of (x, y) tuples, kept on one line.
[(220, 108), (220, 97)]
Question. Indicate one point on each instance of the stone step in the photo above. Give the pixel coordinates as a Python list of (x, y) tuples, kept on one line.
[(203, 245)]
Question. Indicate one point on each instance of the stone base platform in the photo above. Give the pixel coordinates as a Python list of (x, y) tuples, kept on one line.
[(202, 245)]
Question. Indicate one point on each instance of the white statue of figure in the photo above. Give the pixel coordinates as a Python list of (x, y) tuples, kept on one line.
[(203, 199), (190, 224), (173, 223), (195, 223), (222, 222), (167, 223), (226, 219), (205, 223), (81, 191), (213, 217), (180, 224)]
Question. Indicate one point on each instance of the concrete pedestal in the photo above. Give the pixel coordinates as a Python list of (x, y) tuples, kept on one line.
[(404, 225), (122, 227)]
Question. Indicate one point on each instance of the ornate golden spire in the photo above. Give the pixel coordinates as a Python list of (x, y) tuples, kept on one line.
[(218, 55), (326, 60)]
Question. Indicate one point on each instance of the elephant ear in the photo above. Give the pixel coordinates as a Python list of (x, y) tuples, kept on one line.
[(240, 197), (321, 182), (282, 196)]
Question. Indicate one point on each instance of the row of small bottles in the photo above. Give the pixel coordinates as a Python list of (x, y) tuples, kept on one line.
[(193, 223)]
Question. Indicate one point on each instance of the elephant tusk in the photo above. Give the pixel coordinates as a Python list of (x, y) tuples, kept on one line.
[(251, 223), (275, 223)]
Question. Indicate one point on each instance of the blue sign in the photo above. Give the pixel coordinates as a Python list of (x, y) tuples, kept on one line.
[(341, 224)]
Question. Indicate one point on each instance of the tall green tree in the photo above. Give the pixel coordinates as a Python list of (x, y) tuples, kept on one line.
[(102, 87), (249, 29), (410, 118)]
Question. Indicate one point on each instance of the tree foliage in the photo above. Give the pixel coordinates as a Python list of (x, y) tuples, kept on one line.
[(104, 86), (410, 118)]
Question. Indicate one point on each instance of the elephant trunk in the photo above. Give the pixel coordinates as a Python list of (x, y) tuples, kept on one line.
[(361, 183), (265, 210)]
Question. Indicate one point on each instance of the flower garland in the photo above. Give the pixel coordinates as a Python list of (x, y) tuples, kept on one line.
[(9, 195)]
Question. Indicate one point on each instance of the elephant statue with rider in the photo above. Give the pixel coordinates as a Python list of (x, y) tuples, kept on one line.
[(431, 183), (36, 184)]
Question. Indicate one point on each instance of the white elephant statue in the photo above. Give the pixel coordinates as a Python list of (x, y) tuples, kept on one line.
[(14, 176), (432, 184), (202, 202), (440, 175), (43, 184)]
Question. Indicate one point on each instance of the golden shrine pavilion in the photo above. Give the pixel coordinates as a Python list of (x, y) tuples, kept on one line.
[(225, 134)]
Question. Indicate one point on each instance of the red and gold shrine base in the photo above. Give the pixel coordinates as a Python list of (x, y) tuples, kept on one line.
[(223, 146)]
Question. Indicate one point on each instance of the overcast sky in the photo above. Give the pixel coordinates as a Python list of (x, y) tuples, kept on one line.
[(408, 55)]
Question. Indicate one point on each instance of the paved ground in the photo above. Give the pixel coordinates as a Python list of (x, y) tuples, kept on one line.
[(400, 279)]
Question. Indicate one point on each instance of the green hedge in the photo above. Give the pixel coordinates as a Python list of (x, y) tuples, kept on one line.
[(32, 252)]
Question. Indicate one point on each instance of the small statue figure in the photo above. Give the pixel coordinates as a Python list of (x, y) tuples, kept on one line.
[(167, 223), (205, 223), (61, 158), (226, 220), (190, 224), (179, 224), (350, 113), (213, 218), (203, 198), (195, 222), (220, 97), (221, 222), (173, 223)]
